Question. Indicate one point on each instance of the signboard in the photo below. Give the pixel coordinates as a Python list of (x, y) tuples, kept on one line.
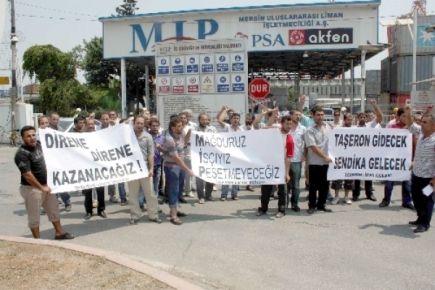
[(77, 161), (215, 70), (421, 100), (239, 158), (4, 80), (265, 28), (368, 154), (259, 88)]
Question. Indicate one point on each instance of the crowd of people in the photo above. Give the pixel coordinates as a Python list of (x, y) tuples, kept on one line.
[(166, 152)]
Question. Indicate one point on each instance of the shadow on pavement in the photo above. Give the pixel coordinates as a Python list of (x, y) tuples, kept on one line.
[(92, 226), (403, 231), (376, 207)]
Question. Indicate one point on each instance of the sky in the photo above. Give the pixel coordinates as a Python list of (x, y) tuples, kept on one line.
[(66, 24)]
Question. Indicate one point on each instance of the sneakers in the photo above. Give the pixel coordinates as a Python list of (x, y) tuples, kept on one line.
[(68, 208), (235, 198), (384, 203), (347, 200), (201, 201), (189, 194), (260, 212), (335, 200), (279, 215), (113, 199)]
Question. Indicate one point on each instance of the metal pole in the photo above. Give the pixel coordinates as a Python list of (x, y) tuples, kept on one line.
[(147, 87), (414, 54), (343, 87), (13, 91), (352, 88), (123, 89), (363, 80)]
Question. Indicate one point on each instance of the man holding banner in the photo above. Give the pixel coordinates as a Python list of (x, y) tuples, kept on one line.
[(203, 186), (174, 166), (267, 189), (146, 145), (316, 140), (34, 190)]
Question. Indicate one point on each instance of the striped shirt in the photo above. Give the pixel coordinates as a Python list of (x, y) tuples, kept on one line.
[(424, 159)]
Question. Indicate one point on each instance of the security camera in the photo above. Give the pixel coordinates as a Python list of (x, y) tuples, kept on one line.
[(14, 39)]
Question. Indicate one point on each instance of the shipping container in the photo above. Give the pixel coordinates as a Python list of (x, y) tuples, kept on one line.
[(385, 75), (401, 73), (399, 37)]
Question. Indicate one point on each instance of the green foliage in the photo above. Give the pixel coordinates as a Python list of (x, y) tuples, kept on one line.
[(128, 8), (97, 70), (292, 97), (107, 99), (64, 96), (48, 62)]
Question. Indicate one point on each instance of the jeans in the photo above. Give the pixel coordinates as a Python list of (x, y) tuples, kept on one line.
[(157, 174), (88, 199), (293, 185), (266, 192), (66, 198), (423, 204), (174, 184), (122, 193), (406, 192), (226, 189), (319, 182)]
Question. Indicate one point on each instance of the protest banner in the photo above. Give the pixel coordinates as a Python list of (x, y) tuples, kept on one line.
[(240, 158), (77, 161), (370, 154)]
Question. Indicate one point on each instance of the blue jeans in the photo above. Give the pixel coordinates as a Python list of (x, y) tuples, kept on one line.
[(122, 194), (174, 184), (226, 189), (295, 173), (156, 178), (66, 198), (406, 192)]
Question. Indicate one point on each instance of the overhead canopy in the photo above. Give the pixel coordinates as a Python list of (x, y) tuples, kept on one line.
[(317, 40)]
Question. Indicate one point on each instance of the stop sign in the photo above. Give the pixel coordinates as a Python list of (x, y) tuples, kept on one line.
[(259, 88)]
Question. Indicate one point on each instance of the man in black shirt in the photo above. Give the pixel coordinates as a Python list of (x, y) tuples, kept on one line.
[(34, 190)]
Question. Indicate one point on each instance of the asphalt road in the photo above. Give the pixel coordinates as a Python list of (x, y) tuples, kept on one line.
[(223, 245)]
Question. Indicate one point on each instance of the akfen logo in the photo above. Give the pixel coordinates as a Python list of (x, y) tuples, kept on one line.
[(321, 36)]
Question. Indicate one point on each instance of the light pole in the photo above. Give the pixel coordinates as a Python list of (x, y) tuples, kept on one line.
[(13, 90)]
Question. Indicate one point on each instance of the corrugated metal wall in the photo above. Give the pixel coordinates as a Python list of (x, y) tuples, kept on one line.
[(402, 42)]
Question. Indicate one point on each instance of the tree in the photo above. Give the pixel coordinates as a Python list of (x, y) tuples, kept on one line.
[(128, 8), (48, 62), (64, 96), (55, 70), (97, 70)]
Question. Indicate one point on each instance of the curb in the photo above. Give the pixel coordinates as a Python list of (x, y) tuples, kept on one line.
[(117, 258)]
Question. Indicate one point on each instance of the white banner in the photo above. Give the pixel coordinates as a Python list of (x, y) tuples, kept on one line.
[(77, 161), (370, 154), (240, 158)]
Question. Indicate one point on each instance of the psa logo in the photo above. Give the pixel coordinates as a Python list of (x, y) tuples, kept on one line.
[(320, 36)]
